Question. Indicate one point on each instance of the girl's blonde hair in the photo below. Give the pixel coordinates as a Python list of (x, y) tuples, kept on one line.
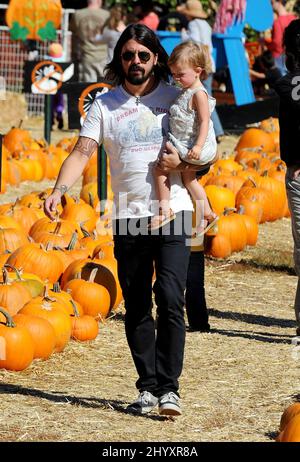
[(117, 13), (193, 54)]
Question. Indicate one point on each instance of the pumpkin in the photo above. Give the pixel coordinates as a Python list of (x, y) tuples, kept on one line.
[(219, 198), (276, 189), (83, 327), (228, 164), (106, 276), (12, 294), (232, 182), (255, 138), (217, 246), (251, 226), (33, 20), (252, 207), (94, 298), (11, 239), (104, 251), (291, 432), (34, 258), (233, 226), (288, 414), (261, 195), (64, 227), (89, 193), (16, 138), (83, 214), (59, 320), (23, 215), (42, 333), (16, 345), (31, 282)]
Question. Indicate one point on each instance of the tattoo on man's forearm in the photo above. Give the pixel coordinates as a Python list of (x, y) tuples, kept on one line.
[(86, 146)]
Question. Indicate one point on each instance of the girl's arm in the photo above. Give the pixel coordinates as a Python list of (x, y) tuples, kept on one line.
[(200, 104)]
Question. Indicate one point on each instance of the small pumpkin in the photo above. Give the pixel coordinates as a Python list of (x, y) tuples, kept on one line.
[(94, 298), (16, 345), (83, 327)]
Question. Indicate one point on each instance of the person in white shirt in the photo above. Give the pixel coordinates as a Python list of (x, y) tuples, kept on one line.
[(132, 123)]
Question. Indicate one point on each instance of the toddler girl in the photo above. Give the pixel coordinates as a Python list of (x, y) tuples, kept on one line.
[(191, 132)]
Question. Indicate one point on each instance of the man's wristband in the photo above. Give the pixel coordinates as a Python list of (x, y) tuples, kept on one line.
[(63, 189)]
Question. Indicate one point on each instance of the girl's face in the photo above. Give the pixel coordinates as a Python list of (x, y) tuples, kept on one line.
[(184, 74)]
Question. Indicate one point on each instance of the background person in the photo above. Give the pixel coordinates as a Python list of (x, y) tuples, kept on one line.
[(113, 27), (143, 10), (281, 21), (289, 122), (88, 48)]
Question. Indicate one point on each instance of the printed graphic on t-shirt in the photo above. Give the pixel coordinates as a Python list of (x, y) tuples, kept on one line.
[(146, 129)]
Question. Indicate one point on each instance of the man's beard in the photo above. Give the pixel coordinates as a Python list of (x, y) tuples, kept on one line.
[(135, 79)]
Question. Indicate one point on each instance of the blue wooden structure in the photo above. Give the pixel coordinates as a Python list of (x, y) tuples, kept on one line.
[(229, 47)]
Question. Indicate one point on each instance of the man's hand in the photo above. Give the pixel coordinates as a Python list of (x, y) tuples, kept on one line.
[(51, 203), (169, 159)]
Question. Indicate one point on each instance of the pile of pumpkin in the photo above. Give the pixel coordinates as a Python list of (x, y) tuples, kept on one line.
[(289, 429), (246, 189), (59, 278), (24, 158)]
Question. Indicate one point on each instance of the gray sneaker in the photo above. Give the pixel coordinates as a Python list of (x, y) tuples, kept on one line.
[(144, 403), (169, 404)]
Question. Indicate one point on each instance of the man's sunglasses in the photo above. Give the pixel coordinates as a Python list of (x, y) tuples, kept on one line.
[(144, 56)]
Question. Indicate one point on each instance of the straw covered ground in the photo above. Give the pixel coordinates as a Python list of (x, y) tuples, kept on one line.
[(236, 382)]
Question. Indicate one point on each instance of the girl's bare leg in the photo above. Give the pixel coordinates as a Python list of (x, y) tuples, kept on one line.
[(204, 213), (163, 195)]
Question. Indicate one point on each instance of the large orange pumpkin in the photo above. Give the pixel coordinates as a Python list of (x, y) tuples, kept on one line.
[(255, 137)]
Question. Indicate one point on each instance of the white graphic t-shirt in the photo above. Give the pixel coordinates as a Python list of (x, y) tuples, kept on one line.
[(133, 132)]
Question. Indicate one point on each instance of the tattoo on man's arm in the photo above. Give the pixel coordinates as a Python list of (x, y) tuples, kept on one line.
[(86, 146)]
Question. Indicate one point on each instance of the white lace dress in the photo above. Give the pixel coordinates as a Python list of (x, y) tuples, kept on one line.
[(184, 127)]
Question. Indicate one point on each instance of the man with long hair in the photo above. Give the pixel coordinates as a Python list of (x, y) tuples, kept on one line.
[(131, 121)]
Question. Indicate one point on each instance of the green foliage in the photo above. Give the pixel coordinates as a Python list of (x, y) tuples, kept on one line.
[(18, 32), (48, 32), (251, 34)]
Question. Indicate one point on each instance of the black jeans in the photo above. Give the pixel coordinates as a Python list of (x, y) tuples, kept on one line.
[(195, 303), (158, 357)]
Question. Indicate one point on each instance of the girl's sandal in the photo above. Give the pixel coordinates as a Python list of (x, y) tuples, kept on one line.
[(158, 221), (210, 224)]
